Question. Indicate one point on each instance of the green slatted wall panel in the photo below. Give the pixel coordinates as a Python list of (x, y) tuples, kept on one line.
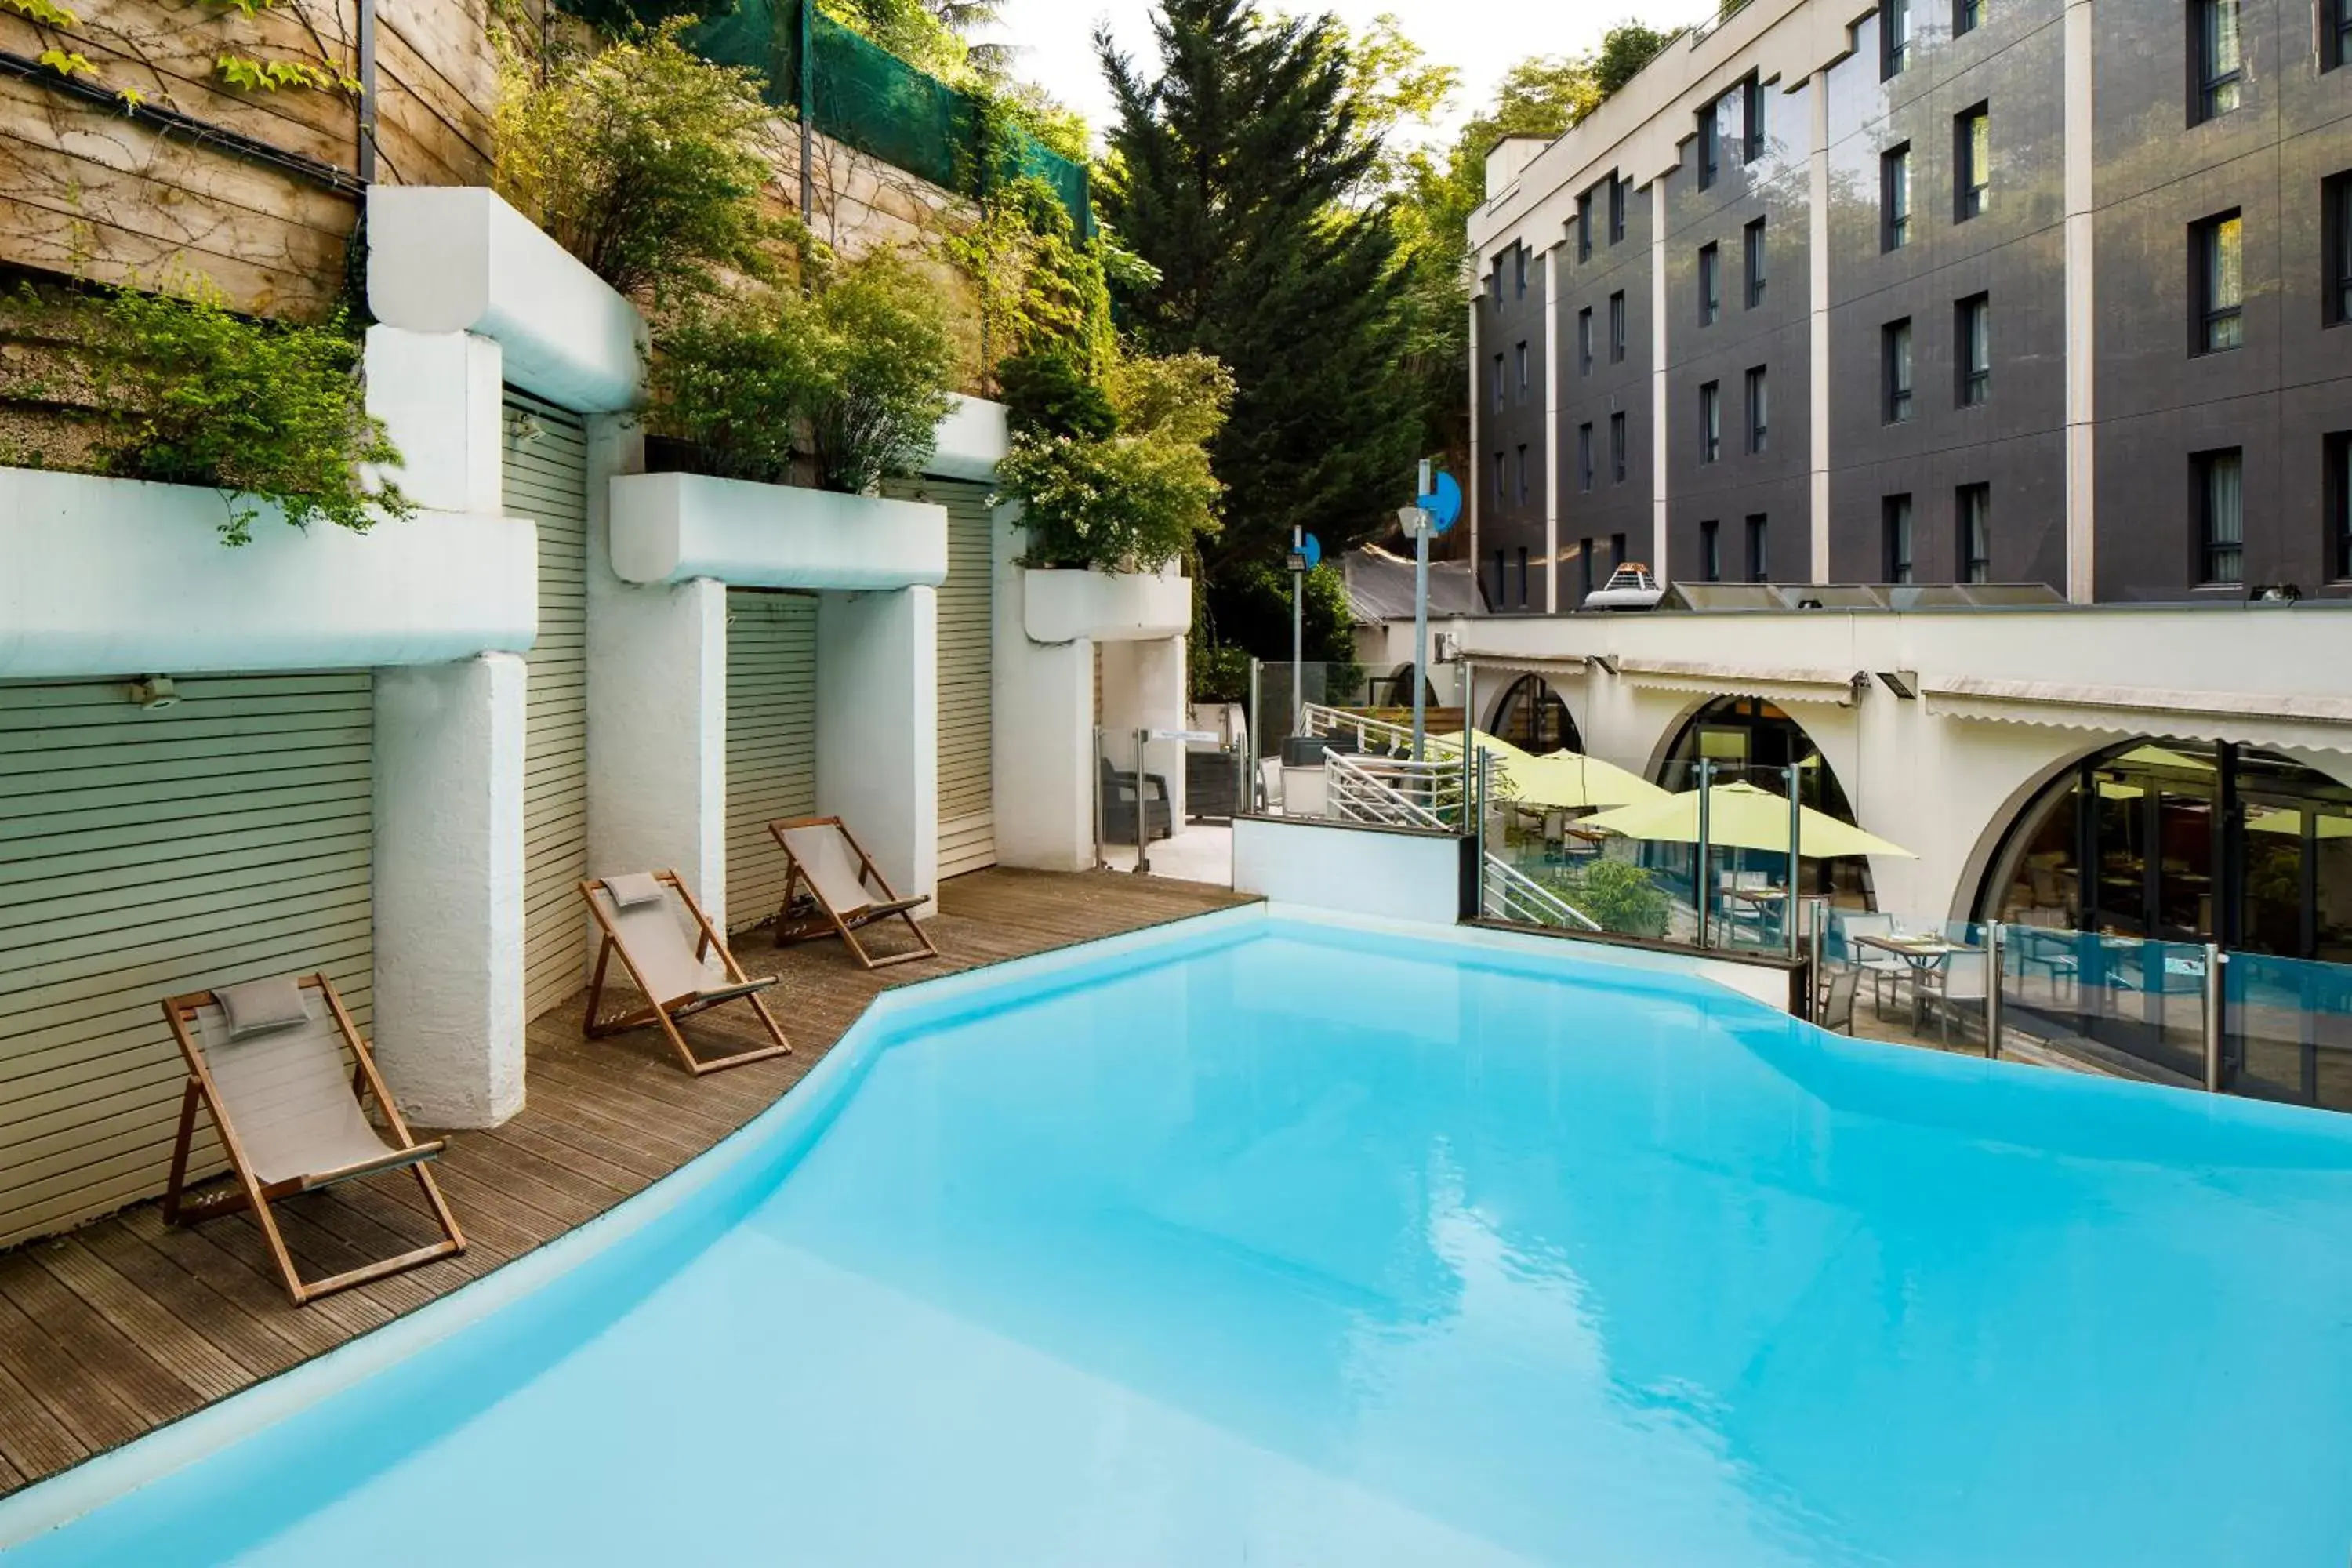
[(143, 854), (546, 480), (770, 740), (966, 643)]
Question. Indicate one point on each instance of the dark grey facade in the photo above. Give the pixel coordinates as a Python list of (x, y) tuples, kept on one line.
[(1613, 283), (1511, 371), (2198, 367)]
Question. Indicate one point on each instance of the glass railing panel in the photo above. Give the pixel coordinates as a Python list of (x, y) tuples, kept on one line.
[(2110, 1001), (2287, 1029)]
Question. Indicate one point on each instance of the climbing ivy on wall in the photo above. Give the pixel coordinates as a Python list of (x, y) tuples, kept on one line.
[(234, 68)]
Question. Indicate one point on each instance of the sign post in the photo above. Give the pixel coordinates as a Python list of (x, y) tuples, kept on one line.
[(1305, 555), (1433, 510)]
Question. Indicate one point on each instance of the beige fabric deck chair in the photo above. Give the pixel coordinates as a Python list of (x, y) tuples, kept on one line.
[(265, 1059), (842, 880), (633, 913)]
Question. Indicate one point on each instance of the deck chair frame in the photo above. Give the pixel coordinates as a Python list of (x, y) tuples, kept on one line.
[(835, 922), (667, 1014), (252, 1192)]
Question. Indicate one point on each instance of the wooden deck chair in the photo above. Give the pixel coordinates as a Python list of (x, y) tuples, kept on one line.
[(842, 880), (265, 1059), (632, 912)]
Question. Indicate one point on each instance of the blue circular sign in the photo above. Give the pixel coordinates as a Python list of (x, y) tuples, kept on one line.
[(1312, 548), (1442, 503)]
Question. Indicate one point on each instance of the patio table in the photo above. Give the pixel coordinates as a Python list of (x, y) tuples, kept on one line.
[(1921, 953)]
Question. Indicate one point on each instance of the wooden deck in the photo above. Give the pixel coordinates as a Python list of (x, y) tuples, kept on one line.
[(118, 1327)]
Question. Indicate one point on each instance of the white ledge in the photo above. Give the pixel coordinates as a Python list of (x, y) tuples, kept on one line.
[(972, 440), (1062, 606), (101, 576), (457, 258), (667, 528)]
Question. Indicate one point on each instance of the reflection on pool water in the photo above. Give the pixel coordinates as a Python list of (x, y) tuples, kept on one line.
[(1286, 1243)]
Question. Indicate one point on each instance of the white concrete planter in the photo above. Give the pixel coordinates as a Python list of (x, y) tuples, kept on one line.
[(668, 528), (456, 259), (101, 576), (1059, 605), (972, 440)]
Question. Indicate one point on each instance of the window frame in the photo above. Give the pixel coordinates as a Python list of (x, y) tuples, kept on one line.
[(2215, 90), (1895, 197), (1971, 165), (1710, 550), (1584, 227), (2336, 497), (1584, 340), (1617, 328), (1894, 41), (1710, 151), (1523, 576), (1759, 533), (1710, 284), (1895, 392), (1758, 392), (1519, 354), (1616, 209), (1584, 458), (1498, 380), (1525, 493), (1710, 422), (1752, 261), (1519, 269), (1972, 532), (1972, 384), (1751, 118), (2336, 35), (2336, 243), (1968, 15), (1897, 539), (1584, 566), (1617, 445), (2214, 326), (2220, 561)]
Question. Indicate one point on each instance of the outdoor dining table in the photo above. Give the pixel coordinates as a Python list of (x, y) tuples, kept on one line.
[(1922, 952)]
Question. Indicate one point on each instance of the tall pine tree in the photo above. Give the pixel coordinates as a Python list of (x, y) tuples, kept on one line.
[(1240, 173)]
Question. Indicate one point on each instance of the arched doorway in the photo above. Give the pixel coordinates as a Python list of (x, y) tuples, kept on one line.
[(1749, 739), (2184, 841), (1532, 717)]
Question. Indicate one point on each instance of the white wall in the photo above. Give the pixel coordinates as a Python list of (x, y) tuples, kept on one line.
[(449, 889), (877, 724), (1358, 870), (1043, 696), (1143, 689)]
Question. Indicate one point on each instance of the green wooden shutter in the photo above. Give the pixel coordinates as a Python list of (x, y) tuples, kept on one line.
[(967, 604), (148, 853), (770, 740), (546, 480)]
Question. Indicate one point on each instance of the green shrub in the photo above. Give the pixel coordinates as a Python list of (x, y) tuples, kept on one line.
[(193, 393), (1050, 395), (644, 161), (731, 381), (1621, 897)]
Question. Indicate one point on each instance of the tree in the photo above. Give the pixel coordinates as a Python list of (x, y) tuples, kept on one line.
[(1240, 170)]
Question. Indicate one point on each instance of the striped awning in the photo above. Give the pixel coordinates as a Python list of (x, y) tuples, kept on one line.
[(1780, 684), (2261, 718)]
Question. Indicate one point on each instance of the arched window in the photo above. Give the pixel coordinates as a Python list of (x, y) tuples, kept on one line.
[(2184, 841), (1532, 717), (1750, 739)]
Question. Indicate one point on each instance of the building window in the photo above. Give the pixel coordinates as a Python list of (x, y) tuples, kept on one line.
[(1617, 327), (1584, 341), (1520, 261), (1971, 162), (1499, 479), (1894, 526), (1973, 336), (1523, 474), (2336, 245), (2218, 279), (2336, 34), (1521, 354), (1894, 37), (2337, 490), (1759, 415), (1710, 286), (1707, 149), (2220, 78), (2221, 515), (1584, 226), (1895, 351), (1584, 570), (1759, 553), (1710, 422), (1972, 526), (1966, 15), (1616, 550), (1616, 210), (1710, 551), (1584, 457), (1895, 197), (1617, 449), (1523, 576), (1751, 119), (1498, 383), (1752, 245)]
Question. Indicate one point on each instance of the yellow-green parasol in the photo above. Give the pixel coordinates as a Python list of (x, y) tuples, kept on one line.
[(1741, 816)]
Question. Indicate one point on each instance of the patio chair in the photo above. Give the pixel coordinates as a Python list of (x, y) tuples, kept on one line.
[(633, 914), (1960, 979), (1119, 804), (830, 870), (1834, 1009), (266, 1060), (1883, 967)]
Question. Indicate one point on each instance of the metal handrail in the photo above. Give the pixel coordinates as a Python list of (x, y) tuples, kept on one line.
[(1357, 789), (1320, 718), (1519, 897)]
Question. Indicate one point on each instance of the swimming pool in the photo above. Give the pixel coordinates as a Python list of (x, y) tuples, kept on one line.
[(1273, 1242)]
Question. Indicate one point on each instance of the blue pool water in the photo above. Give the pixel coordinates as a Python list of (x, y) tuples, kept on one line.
[(1285, 1245)]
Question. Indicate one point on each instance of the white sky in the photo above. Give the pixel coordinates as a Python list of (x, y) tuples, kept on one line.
[(1483, 37)]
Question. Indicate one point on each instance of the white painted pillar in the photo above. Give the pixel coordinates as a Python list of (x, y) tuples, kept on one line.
[(440, 398), (1659, 562), (449, 889), (1143, 689), (1044, 701), (877, 728), (1817, 376), (2081, 449), (657, 705)]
